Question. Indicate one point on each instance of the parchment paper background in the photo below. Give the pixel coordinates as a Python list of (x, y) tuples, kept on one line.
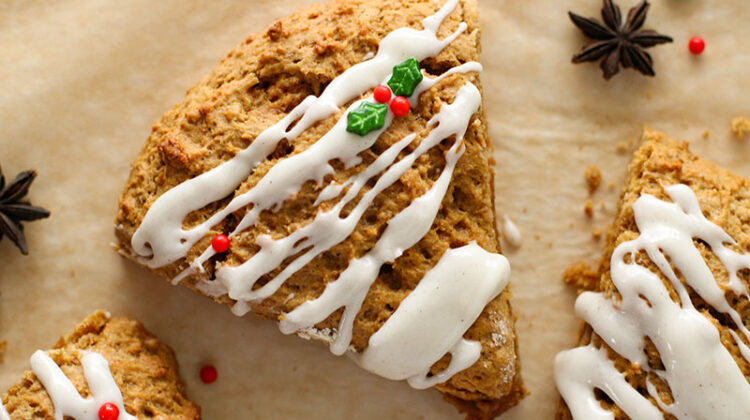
[(81, 82)]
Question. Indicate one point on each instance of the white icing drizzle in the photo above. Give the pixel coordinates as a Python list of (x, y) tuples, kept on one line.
[(3, 412), (476, 275), (65, 397), (432, 319), (511, 233), (704, 379)]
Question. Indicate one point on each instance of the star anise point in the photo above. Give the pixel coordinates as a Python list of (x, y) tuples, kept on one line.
[(13, 210)]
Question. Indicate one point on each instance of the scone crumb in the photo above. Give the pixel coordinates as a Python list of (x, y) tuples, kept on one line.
[(705, 134), (275, 31), (740, 127), (3, 346), (624, 146), (593, 178), (581, 275), (588, 208), (596, 233)]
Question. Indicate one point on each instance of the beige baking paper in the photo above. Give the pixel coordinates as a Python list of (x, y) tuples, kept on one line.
[(81, 82)]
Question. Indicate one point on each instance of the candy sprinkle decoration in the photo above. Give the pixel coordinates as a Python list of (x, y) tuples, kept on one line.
[(696, 45), (400, 106), (382, 94), (406, 76), (220, 243), (371, 116), (108, 411), (366, 118), (209, 374)]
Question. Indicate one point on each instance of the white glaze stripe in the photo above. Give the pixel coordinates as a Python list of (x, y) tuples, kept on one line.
[(432, 319), (66, 399), (3, 412), (703, 376)]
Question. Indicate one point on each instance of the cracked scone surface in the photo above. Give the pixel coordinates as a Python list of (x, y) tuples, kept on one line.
[(725, 201), (144, 369)]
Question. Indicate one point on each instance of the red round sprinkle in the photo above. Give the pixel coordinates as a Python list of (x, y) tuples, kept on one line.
[(209, 374), (400, 106), (220, 243), (382, 94), (109, 411), (696, 45)]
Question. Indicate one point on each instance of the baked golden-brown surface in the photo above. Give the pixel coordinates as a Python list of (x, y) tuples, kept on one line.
[(725, 200), (144, 368), (256, 85)]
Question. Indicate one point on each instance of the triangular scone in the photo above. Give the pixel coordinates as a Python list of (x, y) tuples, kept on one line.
[(676, 330), (321, 218), (113, 361)]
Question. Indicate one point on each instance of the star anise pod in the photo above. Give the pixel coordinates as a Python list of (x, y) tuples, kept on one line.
[(618, 44), (13, 211)]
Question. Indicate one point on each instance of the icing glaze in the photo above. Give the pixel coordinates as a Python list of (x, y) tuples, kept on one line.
[(433, 318), (3, 412), (161, 238), (66, 399), (511, 233), (704, 378)]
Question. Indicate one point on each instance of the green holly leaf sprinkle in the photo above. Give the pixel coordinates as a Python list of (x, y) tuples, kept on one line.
[(406, 77), (366, 118)]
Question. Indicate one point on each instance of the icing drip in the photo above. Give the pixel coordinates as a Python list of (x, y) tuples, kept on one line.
[(161, 239), (3, 412), (432, 319), (703, 377), (473, 275), (66, 399), (511, 233)]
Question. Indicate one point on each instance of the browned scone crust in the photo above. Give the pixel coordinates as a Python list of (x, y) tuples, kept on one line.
[(256, 85), (725, 200), (144, 368)]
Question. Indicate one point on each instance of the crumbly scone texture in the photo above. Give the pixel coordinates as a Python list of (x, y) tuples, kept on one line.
[(255, 86), (144, 368), (725, 200)]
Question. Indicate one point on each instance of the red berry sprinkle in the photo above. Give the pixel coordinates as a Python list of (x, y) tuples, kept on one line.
[(382, 94), (109, 411), (209, 374), (400, 106), (696, 45), (220, 243)]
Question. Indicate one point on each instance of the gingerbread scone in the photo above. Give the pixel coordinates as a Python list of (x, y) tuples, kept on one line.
[(107, 368), (333, 174), (666, 327)]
